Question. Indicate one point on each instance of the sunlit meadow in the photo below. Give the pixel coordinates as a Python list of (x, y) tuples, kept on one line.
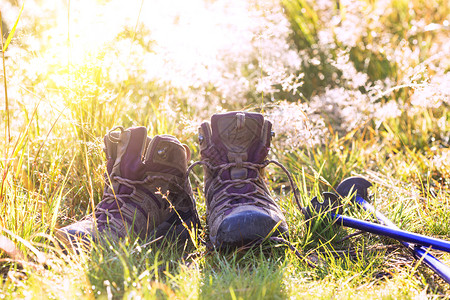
[(352, 88)]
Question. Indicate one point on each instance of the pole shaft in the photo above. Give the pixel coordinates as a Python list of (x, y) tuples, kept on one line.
[(395, 233), (419, 252)]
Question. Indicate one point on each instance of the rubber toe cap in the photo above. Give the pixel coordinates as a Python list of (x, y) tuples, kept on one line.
[(245, 227)]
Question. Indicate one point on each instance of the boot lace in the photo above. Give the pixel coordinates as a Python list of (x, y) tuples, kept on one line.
[(111, 198), (228, 197)]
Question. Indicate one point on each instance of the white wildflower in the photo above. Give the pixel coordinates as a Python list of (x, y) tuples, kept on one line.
[(353, 78), (350, 29), (296, 125), (384, 111), (434, 93), (344, 109)]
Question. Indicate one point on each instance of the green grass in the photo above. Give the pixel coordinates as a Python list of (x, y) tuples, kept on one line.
[(52, 168)]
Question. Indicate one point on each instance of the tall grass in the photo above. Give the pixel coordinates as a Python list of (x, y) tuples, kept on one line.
[(353, 87)]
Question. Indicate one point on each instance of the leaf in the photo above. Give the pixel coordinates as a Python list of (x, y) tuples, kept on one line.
[(11, 34), (10, 248)]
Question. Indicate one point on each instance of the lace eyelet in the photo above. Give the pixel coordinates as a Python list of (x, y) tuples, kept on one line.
[(162, 153)]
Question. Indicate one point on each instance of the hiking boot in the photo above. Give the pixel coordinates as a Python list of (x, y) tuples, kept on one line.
[(239, 208), (147, 193)]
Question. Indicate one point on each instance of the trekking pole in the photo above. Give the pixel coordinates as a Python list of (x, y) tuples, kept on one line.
[(359, 186), (394, 233)]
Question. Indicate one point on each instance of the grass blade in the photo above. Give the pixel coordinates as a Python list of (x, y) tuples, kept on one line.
[(13, 30)]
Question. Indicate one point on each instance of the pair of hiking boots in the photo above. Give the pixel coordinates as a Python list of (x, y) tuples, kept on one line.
[(148, 194)]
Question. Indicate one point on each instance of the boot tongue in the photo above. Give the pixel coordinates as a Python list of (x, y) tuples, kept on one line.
[(165, 154), (241, 136)]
